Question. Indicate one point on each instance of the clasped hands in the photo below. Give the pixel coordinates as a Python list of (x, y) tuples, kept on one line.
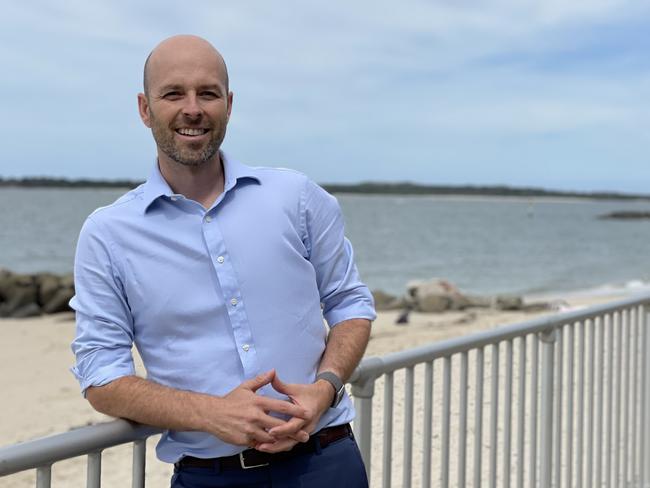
[(245, 420)]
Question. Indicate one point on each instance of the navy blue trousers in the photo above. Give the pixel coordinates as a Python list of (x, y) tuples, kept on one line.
[(339, 465)]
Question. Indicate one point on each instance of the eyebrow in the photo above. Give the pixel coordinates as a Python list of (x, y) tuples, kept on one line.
[(177, 87)]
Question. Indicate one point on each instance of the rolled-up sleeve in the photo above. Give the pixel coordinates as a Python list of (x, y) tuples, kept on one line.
[(104, 334), (343, 295)]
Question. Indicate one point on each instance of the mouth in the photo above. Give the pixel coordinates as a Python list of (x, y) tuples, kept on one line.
[(187, 132)]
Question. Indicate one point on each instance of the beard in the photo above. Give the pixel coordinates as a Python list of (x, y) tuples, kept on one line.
[(189, 154)]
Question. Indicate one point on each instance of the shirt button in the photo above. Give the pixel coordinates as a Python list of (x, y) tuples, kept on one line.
[(233, 302), (208, 219), (246, 347), (220, 260)]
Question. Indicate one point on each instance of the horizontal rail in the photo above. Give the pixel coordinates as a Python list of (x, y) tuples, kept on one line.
[(374, 367), (78, 442)]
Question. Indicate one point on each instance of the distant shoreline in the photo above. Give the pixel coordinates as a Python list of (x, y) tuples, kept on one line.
[(365, 188)]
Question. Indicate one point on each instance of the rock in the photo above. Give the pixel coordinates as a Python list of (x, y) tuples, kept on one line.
[(435, 296), (23, 295), (386, 301), (625, 215), (67, 281), (48, 284), (433, 303), (17, 292), (479, 302), (508, 302), (537, 307), (59, 302)]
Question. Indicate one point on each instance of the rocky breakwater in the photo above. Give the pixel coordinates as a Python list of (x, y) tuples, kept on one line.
[(437, 296), (28, 295)]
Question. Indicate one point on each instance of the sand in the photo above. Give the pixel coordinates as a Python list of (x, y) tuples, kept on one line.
[(41, 397)]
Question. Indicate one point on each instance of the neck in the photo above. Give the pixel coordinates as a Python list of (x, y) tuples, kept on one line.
[(203, 183)]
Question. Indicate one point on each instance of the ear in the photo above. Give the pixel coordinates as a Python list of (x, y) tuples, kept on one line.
[(143, 109), (230, 96)]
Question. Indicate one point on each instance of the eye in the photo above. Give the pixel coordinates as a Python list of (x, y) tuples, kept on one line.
[(209, 95), (172, 95)]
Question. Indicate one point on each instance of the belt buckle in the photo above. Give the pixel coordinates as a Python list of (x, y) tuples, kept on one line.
[(242, 462)]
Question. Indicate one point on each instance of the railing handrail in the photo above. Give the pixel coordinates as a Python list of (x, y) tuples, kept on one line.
[(78, 442), (374, 366)]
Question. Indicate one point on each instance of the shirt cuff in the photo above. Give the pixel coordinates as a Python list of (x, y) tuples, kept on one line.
[(102, 375), (359, 311)]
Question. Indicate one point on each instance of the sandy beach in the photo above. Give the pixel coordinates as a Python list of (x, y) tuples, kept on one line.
[(42, 397)]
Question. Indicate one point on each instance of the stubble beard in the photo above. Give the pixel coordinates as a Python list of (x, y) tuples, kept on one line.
[(164, 137)]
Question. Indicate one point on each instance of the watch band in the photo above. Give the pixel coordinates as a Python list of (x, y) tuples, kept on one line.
[(337, 384)]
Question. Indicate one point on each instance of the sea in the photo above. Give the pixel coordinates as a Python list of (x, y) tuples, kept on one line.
[(483, 245)]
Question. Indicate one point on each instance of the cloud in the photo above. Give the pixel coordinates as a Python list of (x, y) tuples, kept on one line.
[(318, 85)]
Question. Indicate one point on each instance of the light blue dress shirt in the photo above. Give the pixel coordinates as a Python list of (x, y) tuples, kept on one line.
[(214, 297)]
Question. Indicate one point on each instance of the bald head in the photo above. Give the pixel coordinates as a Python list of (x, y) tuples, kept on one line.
[(177, 47)]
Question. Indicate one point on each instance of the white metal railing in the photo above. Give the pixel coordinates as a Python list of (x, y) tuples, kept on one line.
[(40, 454), (566, 406), (557, 401)]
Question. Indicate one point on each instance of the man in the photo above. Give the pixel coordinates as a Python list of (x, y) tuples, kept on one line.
[(221, 275)]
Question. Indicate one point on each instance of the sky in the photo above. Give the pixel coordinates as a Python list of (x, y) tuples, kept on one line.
[(549, 93)]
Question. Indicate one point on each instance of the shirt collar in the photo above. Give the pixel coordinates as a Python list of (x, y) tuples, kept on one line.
[(156, 186)]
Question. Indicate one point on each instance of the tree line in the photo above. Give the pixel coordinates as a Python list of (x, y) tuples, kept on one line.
[(365, 188)]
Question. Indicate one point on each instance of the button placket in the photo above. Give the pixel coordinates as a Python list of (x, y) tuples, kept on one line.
[(231, 294)]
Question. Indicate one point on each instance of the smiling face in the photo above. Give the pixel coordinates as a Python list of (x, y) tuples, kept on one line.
[(186, 101)]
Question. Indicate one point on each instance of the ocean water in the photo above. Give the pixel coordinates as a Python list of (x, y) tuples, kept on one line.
[(483, 245)]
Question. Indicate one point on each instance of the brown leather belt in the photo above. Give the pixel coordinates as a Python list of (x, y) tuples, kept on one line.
[(251, 458)]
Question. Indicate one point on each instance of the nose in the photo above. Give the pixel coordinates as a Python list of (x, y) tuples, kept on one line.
[(192, 108)]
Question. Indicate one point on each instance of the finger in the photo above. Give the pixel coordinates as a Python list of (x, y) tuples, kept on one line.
[(269, 422), (288, 428), (300, 436), (251, 442), (257, 436), (278, 446), (281, 386), (259, 381), (282, 406)]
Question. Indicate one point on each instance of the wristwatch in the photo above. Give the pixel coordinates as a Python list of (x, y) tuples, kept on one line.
[(336, 382)]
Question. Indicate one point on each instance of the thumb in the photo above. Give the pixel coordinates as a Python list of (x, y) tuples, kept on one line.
[(259, 381)]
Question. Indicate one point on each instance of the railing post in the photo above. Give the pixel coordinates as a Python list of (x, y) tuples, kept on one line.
[(645, 442), (94, 470), (139, 463), (363, 389), (548, 339), (44, 476)]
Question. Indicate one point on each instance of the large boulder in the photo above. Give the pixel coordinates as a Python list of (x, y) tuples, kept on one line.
[(436, 295), (48, 284), (23, 295), (18, 295), (59, 301), (67, 281), (508, 302)]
